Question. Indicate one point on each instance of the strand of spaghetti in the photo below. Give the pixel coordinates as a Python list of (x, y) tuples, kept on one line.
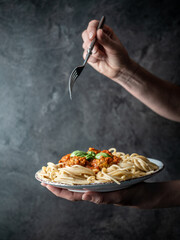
[(84, 169), (73, 175), (144, 165), (118, 167), (109, 176), (130, 166)]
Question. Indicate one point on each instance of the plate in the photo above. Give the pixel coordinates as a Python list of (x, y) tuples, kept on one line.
[(104, 187)]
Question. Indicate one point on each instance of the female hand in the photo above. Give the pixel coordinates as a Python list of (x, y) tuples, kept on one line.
[(109, 57), (142, 195)]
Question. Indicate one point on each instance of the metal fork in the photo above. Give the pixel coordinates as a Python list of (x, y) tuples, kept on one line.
[(77, 71)]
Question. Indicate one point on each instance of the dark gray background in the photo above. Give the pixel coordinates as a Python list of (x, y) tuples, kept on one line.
[(40, 44)]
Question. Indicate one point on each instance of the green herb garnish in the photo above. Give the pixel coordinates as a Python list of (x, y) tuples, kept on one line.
[(102, 154), (78, 154), (90, 155)]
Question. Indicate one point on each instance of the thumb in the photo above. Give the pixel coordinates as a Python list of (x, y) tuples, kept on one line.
[(108, 44)]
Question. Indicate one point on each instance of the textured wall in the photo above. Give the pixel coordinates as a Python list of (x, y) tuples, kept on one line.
[(40, 44)]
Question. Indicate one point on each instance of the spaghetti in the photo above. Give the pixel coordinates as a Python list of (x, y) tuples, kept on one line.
[(95, 166)]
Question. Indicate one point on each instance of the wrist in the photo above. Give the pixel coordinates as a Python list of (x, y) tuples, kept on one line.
[(126, 74)]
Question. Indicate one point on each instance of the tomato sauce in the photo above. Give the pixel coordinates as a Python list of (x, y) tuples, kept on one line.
[(102, 162)]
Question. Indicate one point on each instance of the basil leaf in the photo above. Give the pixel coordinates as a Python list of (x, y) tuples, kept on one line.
[(101, 154), (90, 155), (78, 154)]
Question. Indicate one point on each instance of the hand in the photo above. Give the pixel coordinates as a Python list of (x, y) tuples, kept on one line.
[(109, 57), (142, 195)]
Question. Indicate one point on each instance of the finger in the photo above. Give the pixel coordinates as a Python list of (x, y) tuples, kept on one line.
[(104, 42), (92, 28), (91, 58), (43, 184), (63, 193), (96, 52), (86, 44), (108, 44), (85, 37), (86, 40), (108, 31), (103, 198)]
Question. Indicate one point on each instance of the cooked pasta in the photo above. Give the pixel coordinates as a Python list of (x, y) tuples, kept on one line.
[(95, 166)]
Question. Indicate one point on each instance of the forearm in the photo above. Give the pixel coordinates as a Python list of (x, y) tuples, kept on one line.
[(159, 95), (171, 194), (166, 194), (152, 195)]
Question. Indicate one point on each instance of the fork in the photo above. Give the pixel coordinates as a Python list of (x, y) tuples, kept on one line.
[(77, 71)]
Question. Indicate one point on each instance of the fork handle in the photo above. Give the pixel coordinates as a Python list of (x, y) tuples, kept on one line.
[(89, 52)]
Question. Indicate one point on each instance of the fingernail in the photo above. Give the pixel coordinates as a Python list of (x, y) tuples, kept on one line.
[(94, 50), (86, 198), (90, 35)]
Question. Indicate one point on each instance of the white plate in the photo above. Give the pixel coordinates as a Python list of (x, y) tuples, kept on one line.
[(104, 187)]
